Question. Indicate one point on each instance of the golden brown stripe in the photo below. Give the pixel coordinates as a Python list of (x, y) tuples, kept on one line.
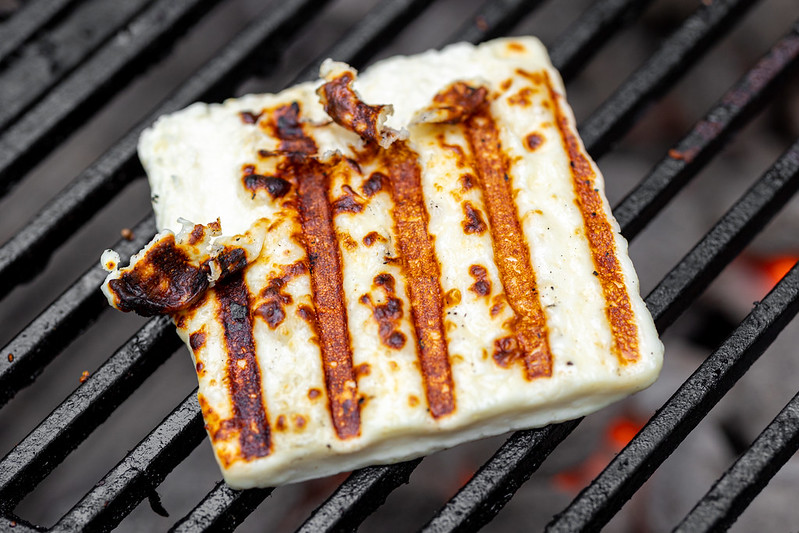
[(244, 374), (511, 251), (324, 262), (309, 176), (422, 276), (600, 237)]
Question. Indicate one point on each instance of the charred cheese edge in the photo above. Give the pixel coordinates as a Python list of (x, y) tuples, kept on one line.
[(430, 260)]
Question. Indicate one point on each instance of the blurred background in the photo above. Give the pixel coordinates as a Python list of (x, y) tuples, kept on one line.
[(675, 487)]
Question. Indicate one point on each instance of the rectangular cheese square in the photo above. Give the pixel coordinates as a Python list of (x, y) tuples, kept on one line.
[(414, 257)]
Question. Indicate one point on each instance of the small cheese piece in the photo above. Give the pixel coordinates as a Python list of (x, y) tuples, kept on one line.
[(172, 272), (438, 263)]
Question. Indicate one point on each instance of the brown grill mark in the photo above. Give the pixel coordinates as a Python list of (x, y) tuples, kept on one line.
[(316, 218), (507, 351), (363, 369), (347, 240), (510, 247), (499, 304), (533, 141), (452, 297), (523, 98), (618, 307), (467, 182), (374, 184), (370, 238), (163, 281), (248, 117), (473, 223), (347, 203), (314, 393), (197, 235), (347, 110), (536, 77), (276, 187), (244, 374), (388, 314), (457, 102), (457, 151), (423, 274), (197, 339), (217, 428), (306, 313), (284, 124), (324, 264), (273, 309), (230, 260), (482, 285)]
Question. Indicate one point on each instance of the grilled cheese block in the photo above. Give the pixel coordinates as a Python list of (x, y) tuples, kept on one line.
[(413, 257)]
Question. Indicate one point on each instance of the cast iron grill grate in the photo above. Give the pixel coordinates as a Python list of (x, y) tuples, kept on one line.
[(58, 101)]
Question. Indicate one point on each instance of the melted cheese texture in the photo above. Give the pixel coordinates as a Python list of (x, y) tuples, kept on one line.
[(477, 281)]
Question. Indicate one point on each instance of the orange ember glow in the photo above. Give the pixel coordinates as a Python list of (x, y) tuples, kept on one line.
[(774, 267)]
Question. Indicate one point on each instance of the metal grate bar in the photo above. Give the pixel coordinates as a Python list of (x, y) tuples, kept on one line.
[(677, 53), (733, 231), (30, 18), (222, 509), (708, 136), (137, 475), (44, 62), (585, 37), (21, 256), (17, 525), (728, 237), (85, 409), (374, 31), (736, 489), (683, 411), (493, 19), (499, 478), (90, 86), (159, 328), (364, 491), (63, 320)]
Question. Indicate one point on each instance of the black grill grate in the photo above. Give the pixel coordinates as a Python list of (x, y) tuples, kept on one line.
[(100, 65)]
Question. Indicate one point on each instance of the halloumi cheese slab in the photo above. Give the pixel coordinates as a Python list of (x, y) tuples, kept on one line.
[(413, 257)]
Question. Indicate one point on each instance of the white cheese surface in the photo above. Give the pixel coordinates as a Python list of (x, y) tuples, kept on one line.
[(195, 160)]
